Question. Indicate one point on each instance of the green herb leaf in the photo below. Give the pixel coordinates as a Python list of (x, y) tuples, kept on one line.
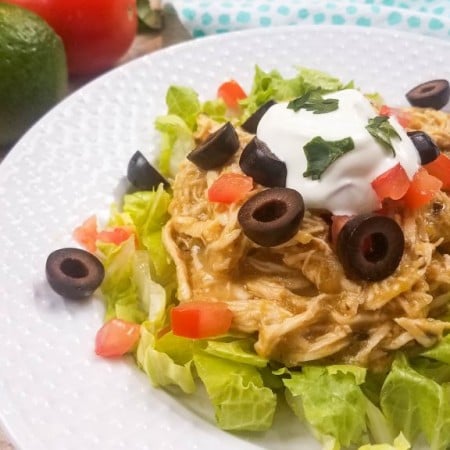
[(320, 154), (313, 101), (380, 128)]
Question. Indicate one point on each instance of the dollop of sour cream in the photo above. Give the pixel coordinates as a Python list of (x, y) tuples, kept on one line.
[(344, 187)]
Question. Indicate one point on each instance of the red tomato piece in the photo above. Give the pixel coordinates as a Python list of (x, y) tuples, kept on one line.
[(96, 33), (337, 222), (391, 184), (86, 234), (198, 320), (440, 168), (117, 337), (403, 117), (230, 188), (422, 189), (231, 92), (115, 236)]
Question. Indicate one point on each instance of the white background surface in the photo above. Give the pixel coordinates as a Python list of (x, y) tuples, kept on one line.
[(54, 392)]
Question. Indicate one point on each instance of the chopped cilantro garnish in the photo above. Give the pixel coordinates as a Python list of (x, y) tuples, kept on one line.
[(313, 101), (380, 128), (320, 154)]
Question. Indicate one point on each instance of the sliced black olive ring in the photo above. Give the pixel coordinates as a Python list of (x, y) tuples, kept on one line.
[(427, 149), (432, 94), (251, 124), (217, 149), (142, 175), (74, 273), (370, 247), (258, 162), (272, 217)]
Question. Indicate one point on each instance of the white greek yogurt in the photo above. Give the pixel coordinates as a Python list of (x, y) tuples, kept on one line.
[(344, 187)]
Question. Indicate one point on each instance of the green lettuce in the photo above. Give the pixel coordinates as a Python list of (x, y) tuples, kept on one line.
[(120, 293), (273, 86), (240, 350), (184, 103), (149, 212), (400, 443), (177, 140), (441, 351), (414, 404), (132, 285), (161, 369), (236, 390), (331, 401)]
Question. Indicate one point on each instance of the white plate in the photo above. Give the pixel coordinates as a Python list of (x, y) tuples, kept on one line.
[(54, 392)]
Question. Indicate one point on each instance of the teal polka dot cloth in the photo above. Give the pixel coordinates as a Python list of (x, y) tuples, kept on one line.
[(203, 17)]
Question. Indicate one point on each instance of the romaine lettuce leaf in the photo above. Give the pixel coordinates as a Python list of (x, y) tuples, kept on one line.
[(318, 80), (400, 443), (331, 401), (149, 212), (236, 390), (119, 292), (183, 102), (215, 109), (273, 86), (414, 404), (240, 351), (177, 141), (160, 367), (441, 351)]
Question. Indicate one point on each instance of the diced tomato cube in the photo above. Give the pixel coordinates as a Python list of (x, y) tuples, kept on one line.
[(440, 168), (422, 189), (201, 319), (117, 337), (231, 92), (230, 188), (391, 184)]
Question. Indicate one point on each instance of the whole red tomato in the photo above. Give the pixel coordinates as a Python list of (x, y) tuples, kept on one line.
[(96, 33)]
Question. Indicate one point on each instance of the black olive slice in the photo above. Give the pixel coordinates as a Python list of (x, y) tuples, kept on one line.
[(251, 124), (74, 273), (432, 94), (272, 216), (258, 162), (370, 247), (427, 149), (217, 149), (142, 175)]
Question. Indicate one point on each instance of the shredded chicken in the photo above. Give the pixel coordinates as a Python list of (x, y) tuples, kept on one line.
[(295, 297)]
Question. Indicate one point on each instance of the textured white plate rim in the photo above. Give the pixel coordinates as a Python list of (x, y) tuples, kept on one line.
[(18, 426), (180, 47)]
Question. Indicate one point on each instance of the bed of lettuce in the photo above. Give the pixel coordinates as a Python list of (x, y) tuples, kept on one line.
[(344, 405)]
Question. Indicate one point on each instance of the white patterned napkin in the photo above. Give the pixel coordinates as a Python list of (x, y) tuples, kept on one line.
[(202, 17)]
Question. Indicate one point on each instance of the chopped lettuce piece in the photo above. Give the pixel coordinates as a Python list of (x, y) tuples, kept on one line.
[(148, 210), (179, 348), (415, 404), (215, 109), (331, 401), (441, 351), (118, 289), (378, 426), (152, 294), (273, 86), (316, 79), (236, 390), (400, 443), (240, 351), (160, 367), (432, 369), (183, 102), (177, 141)]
